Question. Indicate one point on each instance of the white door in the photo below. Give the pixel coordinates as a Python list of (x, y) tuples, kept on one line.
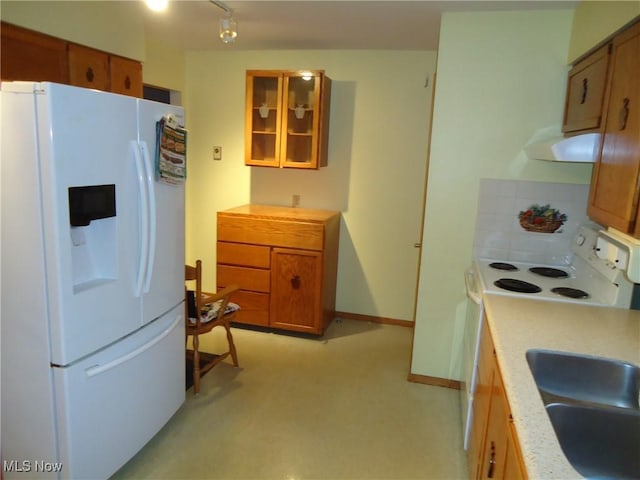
[(109, 405), (86, 138), (165, 286)]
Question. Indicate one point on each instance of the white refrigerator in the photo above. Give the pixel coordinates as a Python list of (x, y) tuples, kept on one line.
[(92, 324)]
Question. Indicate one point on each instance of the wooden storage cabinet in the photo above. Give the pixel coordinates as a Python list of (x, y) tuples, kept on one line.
[(31, 55), (614, 198), (585, 92), (493, 447), (88, 68), (296, 289), (287, 118), (125, 76), (285, 261)]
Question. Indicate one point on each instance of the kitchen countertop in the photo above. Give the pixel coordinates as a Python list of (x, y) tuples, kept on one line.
[(519, 324)]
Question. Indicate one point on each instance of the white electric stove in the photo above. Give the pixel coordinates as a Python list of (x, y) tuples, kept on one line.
[(593, 277)]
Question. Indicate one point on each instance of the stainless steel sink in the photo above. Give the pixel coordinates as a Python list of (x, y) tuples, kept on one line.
[(600, 442), (569, 377)]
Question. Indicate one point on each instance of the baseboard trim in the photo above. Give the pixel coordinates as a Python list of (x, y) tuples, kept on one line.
[(370, 318), (435, 381)]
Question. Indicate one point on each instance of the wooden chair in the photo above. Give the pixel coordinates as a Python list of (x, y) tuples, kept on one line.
[(215, 311)]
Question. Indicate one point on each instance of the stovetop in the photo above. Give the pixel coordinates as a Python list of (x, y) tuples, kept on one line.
[(588, 280)]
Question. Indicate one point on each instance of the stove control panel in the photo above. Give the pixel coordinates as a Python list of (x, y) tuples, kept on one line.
[(623, 252), (590, 246)]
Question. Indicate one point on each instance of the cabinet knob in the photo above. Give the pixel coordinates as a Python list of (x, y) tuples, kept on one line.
[(127, 82), (624, 113), (89, 74), (295, 282)]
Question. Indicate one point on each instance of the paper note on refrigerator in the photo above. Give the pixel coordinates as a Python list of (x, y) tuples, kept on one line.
[(171, 152)]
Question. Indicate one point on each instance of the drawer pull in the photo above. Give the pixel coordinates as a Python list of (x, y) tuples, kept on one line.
[(492, 460), (295, 282), (584, 91), (90, 75), (127, 82)]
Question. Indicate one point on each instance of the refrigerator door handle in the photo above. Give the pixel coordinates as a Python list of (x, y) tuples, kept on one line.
[(144, 204), (150, 176), (98, 369)]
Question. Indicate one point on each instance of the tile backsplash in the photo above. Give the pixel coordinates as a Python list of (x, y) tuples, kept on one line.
[(499, 234)]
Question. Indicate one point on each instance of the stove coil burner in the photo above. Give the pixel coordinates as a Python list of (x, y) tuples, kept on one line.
[(570, 292), (503, 266), (519, 286), (549, 272)]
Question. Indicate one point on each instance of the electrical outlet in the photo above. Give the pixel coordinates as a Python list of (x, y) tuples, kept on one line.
[(217, 153), (295, 200)]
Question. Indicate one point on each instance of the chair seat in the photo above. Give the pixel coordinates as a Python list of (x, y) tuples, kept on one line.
[(210, 311)]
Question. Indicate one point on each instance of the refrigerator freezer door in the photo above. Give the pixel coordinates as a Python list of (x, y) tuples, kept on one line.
[(109, 405), (166, 266), (88, 138)]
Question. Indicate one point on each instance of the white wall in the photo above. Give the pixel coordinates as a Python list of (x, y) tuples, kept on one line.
[(377, 159), (501, 77)]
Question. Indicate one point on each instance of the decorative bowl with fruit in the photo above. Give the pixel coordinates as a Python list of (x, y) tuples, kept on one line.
[(541, 219)]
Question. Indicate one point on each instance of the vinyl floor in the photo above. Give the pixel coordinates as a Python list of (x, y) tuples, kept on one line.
[(335, 407)]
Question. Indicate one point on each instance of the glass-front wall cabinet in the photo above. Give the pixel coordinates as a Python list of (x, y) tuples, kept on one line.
[(287, 118)]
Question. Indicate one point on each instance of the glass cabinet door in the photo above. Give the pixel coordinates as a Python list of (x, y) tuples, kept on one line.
[(300, 120), (263, 119)]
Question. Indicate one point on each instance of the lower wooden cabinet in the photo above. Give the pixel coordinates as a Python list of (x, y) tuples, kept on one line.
[(295, 289), (493, 446), (285, 261)]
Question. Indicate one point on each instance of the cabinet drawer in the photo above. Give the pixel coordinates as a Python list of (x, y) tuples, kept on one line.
[(269, 231), (244, 255), (254, 307), (252, 279)]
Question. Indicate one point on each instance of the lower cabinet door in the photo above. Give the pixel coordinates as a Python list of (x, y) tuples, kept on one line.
[(296, 290)]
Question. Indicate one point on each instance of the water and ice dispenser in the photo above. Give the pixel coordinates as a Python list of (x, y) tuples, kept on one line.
[(92, 214)]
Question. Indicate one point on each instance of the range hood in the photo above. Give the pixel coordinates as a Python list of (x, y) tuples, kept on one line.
[(549, 144)]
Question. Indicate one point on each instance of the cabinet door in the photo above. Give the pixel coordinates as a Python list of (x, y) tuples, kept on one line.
[(262, 118), (301, 120), (88, 67), (585, 92), (513, 469), (495, 447), (28, 55), (125, 76), (615, 185), (481, 403), (296, 283)]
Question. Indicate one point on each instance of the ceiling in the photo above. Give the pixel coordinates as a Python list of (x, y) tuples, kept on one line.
[(324, 25)]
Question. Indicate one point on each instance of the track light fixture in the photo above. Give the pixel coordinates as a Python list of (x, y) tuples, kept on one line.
[(228, 24)]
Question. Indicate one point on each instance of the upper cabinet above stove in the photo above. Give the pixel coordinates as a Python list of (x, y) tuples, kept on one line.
[(614, 198), (585, 92)]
